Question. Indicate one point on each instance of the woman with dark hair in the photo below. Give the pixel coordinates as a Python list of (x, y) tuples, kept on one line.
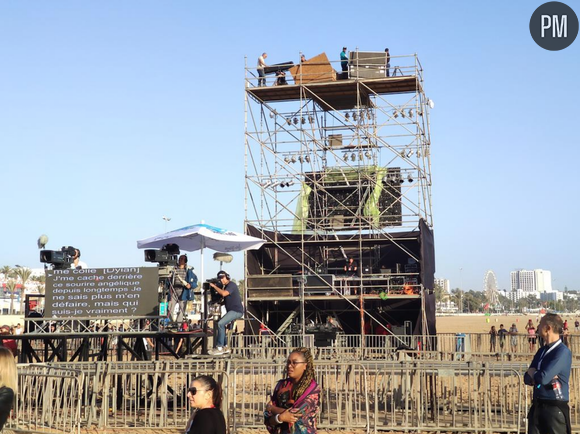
[(205, 396), (294, 404), (8, 384)]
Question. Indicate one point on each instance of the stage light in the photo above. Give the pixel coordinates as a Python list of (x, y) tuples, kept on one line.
[(354, 116), (310, 119), (289, 121), (368, 154), (347, 116), (271, 115), (267, 184), (302, 121), (300, 159), (410, 178), (293, 159), (345, 156), (410, 153), (369, 114), (353, 157), (282, 184), (402, 153), (419, 154), (360, 156), (410, 113), (307, 158), (286, 160), (431, 103), (402, 113), (295, 120), (288, 184), (395, 114)]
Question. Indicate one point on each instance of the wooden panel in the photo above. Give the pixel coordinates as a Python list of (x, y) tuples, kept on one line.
[(315, 70)]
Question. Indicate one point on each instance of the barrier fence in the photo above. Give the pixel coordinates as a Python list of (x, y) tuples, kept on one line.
[(373, 395)]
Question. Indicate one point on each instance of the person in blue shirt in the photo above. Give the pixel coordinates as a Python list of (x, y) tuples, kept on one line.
[(181, 284), (549, 375), (344, 60), (234, 310)]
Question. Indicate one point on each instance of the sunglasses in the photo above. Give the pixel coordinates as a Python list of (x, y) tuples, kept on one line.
[(293, 362), (193, 390)]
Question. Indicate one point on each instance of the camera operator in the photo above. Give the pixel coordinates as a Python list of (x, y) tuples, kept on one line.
[(184, 281), (76, 263), (234, 310)]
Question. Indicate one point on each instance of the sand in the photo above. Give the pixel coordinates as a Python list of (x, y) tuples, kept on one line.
[(479, 323)]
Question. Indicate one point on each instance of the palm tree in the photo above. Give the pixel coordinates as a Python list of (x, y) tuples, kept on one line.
[(6, 270), (24, 274), (11, 286)]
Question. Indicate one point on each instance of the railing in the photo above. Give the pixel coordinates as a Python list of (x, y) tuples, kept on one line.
[(374, 395), (317, 70)]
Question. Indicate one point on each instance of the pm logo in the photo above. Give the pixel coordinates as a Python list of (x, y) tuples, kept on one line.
[(554, 26)]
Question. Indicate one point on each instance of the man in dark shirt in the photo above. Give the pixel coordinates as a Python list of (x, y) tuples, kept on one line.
[(549, 375), (502, 333), (234, 310)]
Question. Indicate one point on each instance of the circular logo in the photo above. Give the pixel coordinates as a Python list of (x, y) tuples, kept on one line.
[(554, 26)]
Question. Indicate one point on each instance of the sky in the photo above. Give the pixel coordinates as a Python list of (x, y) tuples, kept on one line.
[(115, 114)]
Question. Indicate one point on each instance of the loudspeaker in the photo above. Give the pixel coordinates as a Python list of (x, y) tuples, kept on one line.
[(270, 285)]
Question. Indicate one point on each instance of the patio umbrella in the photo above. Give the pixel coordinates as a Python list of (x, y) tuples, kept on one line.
[(201, 236)]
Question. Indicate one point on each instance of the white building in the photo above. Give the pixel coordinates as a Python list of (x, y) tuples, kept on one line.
[(443, 283), (524, 280), (543, 280)]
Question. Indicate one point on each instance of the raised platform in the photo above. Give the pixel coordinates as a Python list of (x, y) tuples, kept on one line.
[(340, 94)]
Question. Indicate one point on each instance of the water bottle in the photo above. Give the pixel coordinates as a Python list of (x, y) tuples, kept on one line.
[(557, 388)]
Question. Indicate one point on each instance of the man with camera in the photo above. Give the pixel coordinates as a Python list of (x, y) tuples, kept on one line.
[(184, 281), (234, 310)]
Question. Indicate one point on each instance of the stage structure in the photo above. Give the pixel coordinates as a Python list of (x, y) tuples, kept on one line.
[(337, 167)]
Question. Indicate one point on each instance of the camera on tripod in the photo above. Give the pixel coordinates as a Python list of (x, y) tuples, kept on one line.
[(166, 257), (59, 259)]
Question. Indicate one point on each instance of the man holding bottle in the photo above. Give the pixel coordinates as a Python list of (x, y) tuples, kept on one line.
[(549, 375)]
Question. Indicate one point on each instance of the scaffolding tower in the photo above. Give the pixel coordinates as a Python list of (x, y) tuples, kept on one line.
[(338, 166)]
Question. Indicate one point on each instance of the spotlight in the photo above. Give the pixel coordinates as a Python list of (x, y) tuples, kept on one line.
[(354, 116), (368, 154), (347, 116), (293, 159), (307, 158), (300, 159), (419, 154), (289, 121), (282, 184), (271, 115), (410, 113), (410, 153), (395, 114), (286, 160), (353, 157), (266, 184), (295, 120), (410, 178), (431, 103), (402, 113), (345, 156), (302, 121), (288, 184), (310, 119), (402, 153)]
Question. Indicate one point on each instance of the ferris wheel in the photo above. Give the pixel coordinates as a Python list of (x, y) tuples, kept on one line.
[(490, 288)]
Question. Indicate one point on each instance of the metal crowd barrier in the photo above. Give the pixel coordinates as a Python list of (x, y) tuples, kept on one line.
[(411, 394)]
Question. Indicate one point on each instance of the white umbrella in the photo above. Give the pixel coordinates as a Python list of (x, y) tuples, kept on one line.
[(201, 236)]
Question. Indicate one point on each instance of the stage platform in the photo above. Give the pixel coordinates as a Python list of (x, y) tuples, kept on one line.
[(340, 94)]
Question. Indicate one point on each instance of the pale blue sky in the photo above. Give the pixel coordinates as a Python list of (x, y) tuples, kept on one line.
[(113, 114)]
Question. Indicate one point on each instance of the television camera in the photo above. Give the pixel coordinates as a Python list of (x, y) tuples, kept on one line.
[(166, 257), (59, 259), (215, 297)]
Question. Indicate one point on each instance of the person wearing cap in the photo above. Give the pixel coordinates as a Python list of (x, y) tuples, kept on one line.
[(76, 263), (183, 283), (234, 310)]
